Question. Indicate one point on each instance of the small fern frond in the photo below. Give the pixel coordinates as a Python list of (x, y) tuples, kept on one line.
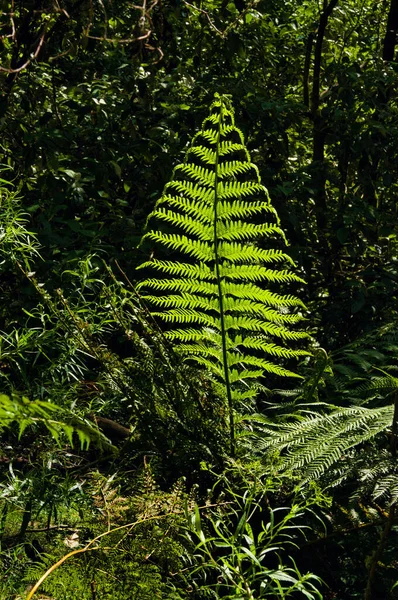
[(259, 343), (182, 285), (233, 168), (216, 301), (379, 385), (186, 223), (313, 444)]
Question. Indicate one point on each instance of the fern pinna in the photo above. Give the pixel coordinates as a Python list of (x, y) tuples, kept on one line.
[(214, 295)]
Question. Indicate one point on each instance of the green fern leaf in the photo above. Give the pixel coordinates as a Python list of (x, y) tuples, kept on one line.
[(216, 302), (313, 444)]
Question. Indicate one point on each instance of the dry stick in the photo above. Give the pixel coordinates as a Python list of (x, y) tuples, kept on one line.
[(33, 56), (223, 33), (117, 41), (108, 514), (204, 12), (53, 528), (87, 548)]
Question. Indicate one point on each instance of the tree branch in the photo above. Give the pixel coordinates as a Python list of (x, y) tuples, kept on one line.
[(323, 21), (307, 64)]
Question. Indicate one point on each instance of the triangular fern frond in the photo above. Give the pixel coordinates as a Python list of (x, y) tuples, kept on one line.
[(216, 301)]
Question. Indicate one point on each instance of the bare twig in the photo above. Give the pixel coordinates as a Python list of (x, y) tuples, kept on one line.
[(204, 12), (223, 33), (32, 56), (118, 41)]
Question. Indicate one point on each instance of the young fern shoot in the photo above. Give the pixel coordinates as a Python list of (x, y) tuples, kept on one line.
[(214, 291)]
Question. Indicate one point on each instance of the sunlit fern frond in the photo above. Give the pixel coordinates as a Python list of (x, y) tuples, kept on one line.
[(217, 291), (312, 445)]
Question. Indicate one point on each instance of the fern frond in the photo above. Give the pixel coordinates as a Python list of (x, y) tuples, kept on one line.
[(233, 168), (226, 147), (191, 189), (235, 358), (236, 253), (206, 154), (194, 335), (378, 385), (236, 189), (184, 301), (259, 343), (182, 285), (258, 294), (194, 208), (216, 302), (312, 445), (185, 315), (202, 174), (249, 307)]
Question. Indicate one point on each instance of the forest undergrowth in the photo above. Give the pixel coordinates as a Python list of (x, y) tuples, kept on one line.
[(198, 386)]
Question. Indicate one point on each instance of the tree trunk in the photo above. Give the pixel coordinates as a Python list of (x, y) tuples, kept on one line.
[(390, 38)]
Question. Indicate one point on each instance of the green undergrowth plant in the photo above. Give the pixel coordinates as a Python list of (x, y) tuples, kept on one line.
[(310, 444), (132, 547), (221, 295), (348, 402), (323, 441), (243, 546), (16, 241), (349, 450), (24, 413), (92, 349)]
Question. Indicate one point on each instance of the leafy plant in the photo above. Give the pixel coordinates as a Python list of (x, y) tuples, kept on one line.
[(221, 315), (312, 443), (241, 549), (16, 242), (25, 412)]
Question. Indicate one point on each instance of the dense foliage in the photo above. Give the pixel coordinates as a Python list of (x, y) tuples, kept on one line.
[(149, 446)]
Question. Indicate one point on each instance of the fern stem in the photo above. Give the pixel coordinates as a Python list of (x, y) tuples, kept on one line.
[(220, 291)]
